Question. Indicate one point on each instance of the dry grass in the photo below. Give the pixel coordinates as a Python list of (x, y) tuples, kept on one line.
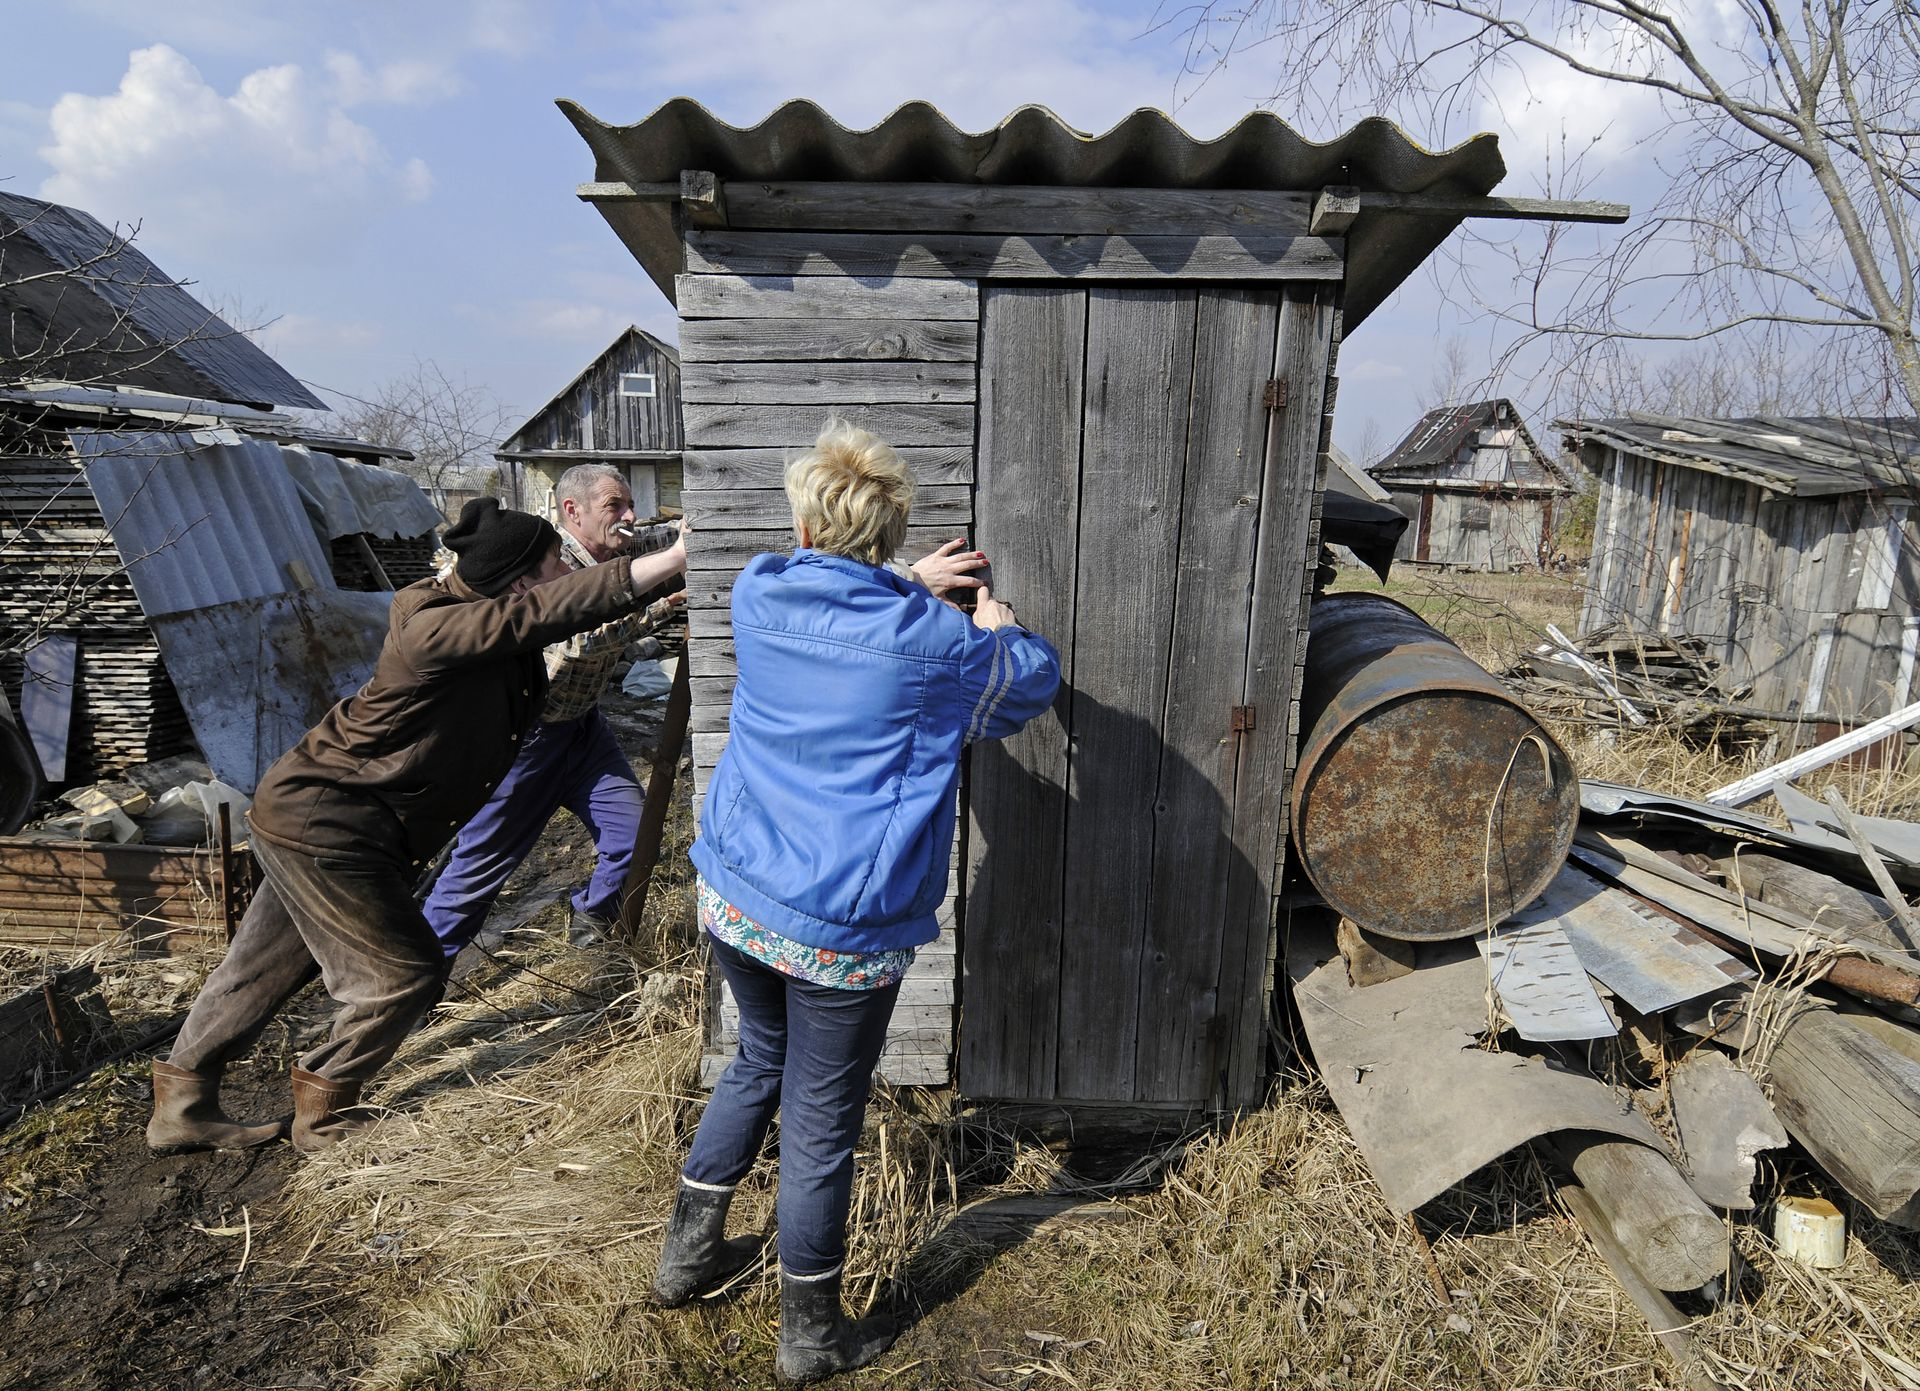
[(511, 1212)]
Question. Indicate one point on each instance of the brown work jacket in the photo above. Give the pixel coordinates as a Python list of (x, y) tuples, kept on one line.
[(397, 767)]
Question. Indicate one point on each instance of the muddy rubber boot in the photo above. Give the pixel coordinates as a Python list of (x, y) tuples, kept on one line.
[(817, 1339), (697, 1258), (187, 1115), (325, 1112)]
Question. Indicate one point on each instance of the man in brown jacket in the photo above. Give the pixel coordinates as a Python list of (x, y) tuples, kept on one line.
[(345, 821)]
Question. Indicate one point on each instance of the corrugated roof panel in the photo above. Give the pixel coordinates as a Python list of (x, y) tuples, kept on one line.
[(201, 518), (1799, 456), (917, 143), (83, 305)]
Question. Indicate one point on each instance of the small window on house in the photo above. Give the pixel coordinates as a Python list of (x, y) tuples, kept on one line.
[(636, 383), (1477, 518)]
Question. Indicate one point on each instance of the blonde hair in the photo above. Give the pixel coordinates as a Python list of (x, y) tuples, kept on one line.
[(852, 490)]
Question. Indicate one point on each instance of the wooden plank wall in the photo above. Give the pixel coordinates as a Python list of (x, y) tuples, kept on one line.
[(592, 414), (764, 363), (864, 301), (1810, 601)]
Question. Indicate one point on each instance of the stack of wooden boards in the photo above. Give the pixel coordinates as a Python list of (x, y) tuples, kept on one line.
[(63, 582), (1696, 988)]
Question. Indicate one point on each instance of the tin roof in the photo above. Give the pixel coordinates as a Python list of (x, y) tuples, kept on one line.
[(83, 305), (917, 143), (1799, 456), (1434, 443)]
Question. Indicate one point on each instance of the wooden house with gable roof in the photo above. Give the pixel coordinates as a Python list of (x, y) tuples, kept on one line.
[(1477, 491), (1109, 361), (624, 410)]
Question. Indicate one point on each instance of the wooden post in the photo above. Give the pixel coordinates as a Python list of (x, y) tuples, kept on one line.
[(226, 870), (653, 817), (371, 561)]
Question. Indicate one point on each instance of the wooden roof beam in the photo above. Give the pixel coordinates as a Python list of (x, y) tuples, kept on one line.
[(1336, 208), (700, 194)]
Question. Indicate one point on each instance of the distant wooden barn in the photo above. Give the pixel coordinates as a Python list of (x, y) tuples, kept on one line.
[(624, 409), (1788, 544), (1108, 362), (1477, 492)]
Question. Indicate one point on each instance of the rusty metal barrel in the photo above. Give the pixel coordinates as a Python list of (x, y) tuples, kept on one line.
[(1426, 797)]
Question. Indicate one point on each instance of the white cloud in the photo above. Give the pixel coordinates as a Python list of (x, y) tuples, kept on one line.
[(405, 82), (279, 162), (305, 332)]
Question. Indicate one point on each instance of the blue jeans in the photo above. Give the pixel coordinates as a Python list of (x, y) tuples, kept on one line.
[(575, 764), (807, 1051)]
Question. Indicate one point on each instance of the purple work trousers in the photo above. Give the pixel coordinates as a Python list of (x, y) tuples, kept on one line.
[(574, 764)]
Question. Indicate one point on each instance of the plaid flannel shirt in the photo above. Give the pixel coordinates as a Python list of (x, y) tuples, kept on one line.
[(578, 669)]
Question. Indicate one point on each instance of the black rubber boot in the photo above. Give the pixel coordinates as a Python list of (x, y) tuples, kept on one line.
[(817, 1339), (697, 1258)]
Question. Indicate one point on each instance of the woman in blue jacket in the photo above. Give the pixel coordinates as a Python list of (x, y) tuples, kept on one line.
[(823, 856)]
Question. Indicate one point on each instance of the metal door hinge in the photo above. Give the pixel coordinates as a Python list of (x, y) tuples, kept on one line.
[(1274, 398), (1242, 719)]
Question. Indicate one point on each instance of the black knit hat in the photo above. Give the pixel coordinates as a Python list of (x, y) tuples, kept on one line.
[(497, 545)]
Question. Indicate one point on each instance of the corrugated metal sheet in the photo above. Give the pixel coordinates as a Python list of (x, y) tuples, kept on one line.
[(235, 582), (1800, 456), (344, 498), (201, 518), (917, 143), (123, 319), (257, 674), (1437, 437)]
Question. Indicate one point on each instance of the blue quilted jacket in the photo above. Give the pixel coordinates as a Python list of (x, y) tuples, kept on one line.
[(830, 817)]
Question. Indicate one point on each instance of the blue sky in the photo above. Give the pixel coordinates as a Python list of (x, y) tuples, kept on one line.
[(392, 181)]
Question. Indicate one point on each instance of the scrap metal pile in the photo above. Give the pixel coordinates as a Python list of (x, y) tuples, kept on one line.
[(1656, 991)]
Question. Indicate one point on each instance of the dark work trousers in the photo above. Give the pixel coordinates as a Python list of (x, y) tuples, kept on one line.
[(352, 921), (807, 1051), (575, 764)]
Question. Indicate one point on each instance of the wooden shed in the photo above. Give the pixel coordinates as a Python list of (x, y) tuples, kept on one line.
[(1109, 362), (1787, 543), (1477, 492), (624, 410)]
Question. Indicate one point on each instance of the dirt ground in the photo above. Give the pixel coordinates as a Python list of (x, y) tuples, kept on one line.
[(123, 1269)]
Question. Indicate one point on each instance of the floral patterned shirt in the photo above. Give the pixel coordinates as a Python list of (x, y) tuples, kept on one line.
[(843, 970)]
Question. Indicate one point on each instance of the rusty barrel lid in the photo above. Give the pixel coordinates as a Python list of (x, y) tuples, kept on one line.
[(1426, 798)]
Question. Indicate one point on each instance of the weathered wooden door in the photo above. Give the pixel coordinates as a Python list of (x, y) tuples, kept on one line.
[(1145, 499)]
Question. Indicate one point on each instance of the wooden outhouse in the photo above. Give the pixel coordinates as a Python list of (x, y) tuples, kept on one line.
[(624, 410), (1477, 492), (1789, 544), (1108, 361)]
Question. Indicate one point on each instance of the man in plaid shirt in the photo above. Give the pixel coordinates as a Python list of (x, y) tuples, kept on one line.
[(571, 758)]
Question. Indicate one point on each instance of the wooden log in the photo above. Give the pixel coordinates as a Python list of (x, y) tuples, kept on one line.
[(1673, 1238), (839, 254), (1876, 867), (1854, 1103), (825, 383), (947, 207), (808, 340), (822, 297), (1724, 1122), (1667, 1324)]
